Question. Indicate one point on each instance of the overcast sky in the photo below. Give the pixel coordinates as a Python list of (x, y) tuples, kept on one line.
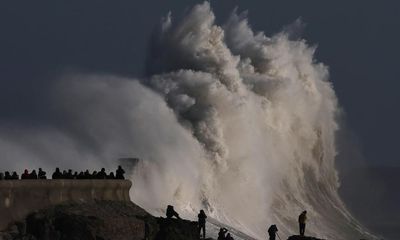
[(358, 40)]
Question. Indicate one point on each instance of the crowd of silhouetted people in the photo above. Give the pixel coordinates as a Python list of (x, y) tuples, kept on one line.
[(65, 174), (223, 233)]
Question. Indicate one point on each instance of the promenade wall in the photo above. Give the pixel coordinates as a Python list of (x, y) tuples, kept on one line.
[(18, 198)]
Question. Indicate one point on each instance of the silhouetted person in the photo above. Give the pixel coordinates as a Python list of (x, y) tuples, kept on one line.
[(14, 176), (81, 175), (302, 222), (94, 175), (202, 223), (41, 174), (33, 175), (57, 174), (272, 230), (25, 175), (120, 173), (1, 176), (221, 234), (102, 174), (111, 176), (87, 174), (229, 237), (171, 212), (69, 174), (7, 176), (75, 176)]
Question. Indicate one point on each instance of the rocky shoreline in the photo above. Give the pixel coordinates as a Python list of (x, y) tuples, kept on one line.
[(102, 220), (98, 220)]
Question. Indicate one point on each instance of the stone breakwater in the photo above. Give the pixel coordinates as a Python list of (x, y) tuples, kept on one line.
[(21, 197)]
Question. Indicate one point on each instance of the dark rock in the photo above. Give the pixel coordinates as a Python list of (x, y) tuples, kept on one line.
[(99, 220), (176, 229), (298, 237)]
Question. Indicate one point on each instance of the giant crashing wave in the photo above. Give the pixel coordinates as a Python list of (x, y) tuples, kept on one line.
[(264, 113), (229, 120)]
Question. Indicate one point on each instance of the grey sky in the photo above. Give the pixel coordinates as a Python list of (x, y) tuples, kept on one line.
[(358, 40)]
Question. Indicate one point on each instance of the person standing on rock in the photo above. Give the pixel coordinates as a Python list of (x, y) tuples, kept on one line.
[(272, 230), (202, 223), (302, 222)]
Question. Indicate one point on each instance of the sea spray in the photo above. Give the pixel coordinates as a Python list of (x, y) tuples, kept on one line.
[(264, 112)]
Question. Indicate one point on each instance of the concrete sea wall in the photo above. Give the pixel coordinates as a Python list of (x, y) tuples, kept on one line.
[(21, 197)]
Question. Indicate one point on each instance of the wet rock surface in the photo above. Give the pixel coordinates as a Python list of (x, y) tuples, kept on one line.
[(102, 220), (298, 237)]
